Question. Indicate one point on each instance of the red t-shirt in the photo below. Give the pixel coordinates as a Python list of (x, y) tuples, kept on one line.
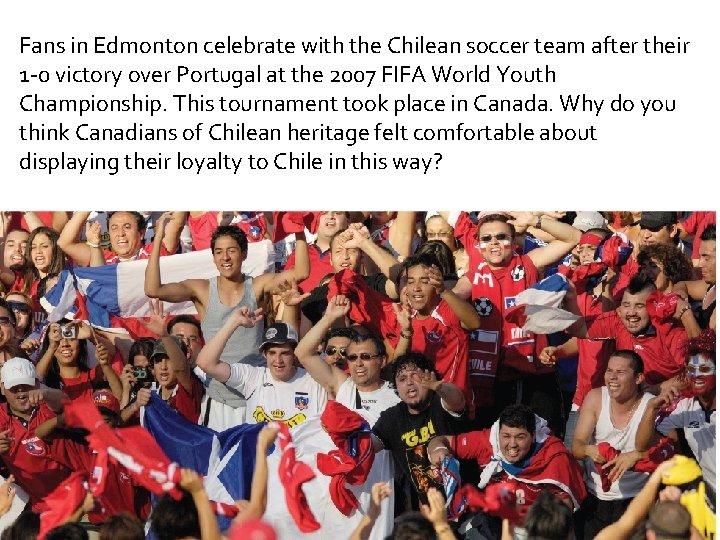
[(695, 224), (593, 355), (663, 347), (38, 466), (441, 338), (202, 228), (188, 403), (320, 266)]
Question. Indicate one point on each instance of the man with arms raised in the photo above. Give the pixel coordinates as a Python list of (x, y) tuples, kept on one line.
[(215, 300), (363, 388)]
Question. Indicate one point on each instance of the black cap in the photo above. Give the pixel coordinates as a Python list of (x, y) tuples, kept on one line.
[(653, 220), (279, 334), (159, 349)]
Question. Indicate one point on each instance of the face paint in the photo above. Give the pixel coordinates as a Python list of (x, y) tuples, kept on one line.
[(483, 245), (701, 372)]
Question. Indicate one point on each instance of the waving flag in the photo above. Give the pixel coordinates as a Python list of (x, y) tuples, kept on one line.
[(537, 309), (102, 293), (62, 503), (226, 459)]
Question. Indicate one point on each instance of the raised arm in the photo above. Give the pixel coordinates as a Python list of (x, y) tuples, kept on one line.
[(358, 237), (178, 362), (258, 492), (191, 482), (326, 375), (451, 396), (638, 507), (68, 240), (271, 283), (209, 358), (401, 233), (565, 236), (154, 288), (173, 228), (469, 318), (646, 435)]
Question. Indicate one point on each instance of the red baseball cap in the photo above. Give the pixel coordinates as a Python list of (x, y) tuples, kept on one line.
[(104, 399)]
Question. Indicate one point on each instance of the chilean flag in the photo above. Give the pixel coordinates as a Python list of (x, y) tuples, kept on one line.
[(103, 293), (537, 309)]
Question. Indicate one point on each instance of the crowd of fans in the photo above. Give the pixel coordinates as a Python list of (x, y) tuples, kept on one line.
[(408, 318)]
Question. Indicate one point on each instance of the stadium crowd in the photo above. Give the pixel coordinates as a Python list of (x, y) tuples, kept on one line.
[(525, 374)]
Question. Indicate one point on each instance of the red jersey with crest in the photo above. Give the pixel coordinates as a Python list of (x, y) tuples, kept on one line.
[(500, 346), (38, 465)]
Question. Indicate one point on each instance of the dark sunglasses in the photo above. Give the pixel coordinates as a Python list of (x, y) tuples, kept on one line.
[(499, 237), (19, 306), (332, 350), (362, 356)]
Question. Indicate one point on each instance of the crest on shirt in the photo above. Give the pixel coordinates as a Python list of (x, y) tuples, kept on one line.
[(254, 232), (301, 402), (433, 337), (509, 301), (483, 306), (34, 446), (517, 273)]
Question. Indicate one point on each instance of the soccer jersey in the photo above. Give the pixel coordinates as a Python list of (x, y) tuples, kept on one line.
[(268, 399), (699, 430)]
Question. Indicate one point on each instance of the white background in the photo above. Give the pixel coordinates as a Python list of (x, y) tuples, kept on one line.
[(665, 160)]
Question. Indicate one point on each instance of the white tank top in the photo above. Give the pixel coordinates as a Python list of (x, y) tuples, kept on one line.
[(623, 440)]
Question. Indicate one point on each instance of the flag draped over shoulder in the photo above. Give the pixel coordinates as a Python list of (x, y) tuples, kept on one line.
[(100, 294), (538, 310)]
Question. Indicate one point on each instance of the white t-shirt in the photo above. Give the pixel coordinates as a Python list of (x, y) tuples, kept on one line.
[(700, 434), (374, 402), (268, 399)]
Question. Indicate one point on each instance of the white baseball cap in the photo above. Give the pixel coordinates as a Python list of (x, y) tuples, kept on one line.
[(17, 371)]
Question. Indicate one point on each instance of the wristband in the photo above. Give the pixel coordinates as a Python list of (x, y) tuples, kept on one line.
[(407, 335), (92, 245)]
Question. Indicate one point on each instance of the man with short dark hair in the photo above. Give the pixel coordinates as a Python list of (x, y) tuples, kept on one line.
[(611, 415), (277, 391), (366, 357), (668, 520), (661, 345), (518, 449)]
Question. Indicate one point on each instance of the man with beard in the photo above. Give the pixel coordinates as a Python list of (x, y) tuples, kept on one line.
[(12, 266), (659, 344)]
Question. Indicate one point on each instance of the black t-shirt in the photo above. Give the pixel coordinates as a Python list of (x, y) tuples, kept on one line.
[(314, 306), (406, 435)]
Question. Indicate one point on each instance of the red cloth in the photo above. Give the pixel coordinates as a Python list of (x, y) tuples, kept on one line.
[(496, 499), (662, 451), (287, 223), (352, 460), (320, 266), (293, 474), (661, 307), (550, 467), (132, 447), (367, 306), (61, 503)]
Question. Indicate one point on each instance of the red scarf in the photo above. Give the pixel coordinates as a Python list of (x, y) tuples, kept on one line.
[(351, 462), (293, 474), (287, 223)]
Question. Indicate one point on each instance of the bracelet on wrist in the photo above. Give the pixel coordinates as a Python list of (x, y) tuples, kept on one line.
[(92, 245), (406, 334), (683, 311)]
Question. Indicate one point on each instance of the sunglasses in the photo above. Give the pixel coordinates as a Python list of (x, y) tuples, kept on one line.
[(362, 356), (697, 371), (19, 306), (5, 321), (332, 350), (499, 237)]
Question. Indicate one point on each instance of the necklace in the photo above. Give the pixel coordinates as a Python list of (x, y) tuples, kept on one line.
[(629, 416)]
